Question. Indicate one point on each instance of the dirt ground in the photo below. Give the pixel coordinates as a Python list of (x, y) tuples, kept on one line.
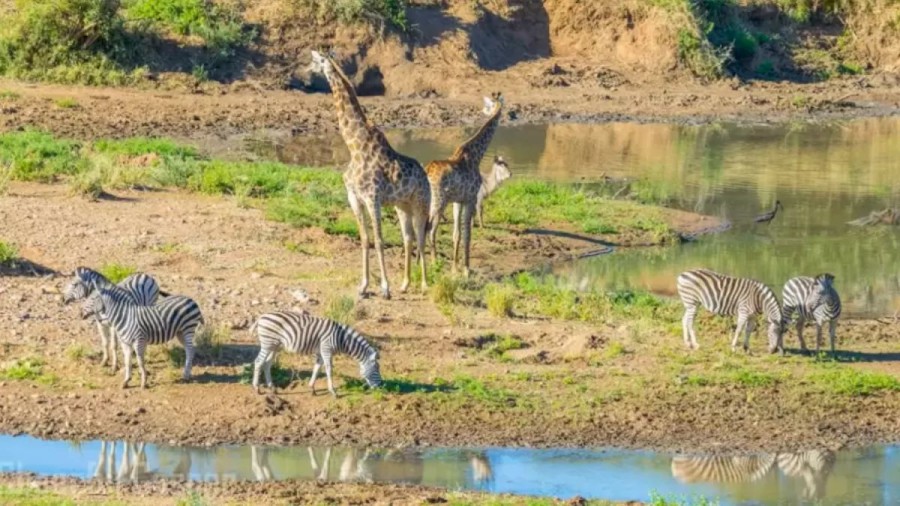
[(225, 111)]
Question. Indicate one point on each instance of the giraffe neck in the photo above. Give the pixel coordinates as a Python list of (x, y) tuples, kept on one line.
[(354, 126), (473, 149)]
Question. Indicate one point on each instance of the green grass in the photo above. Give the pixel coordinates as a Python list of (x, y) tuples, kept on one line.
[(845, 380), (32, 497), (342, 309), (8, 253), (193, 498), (443, 290), (27, 369), (77, 352), (117, 272), (499, 299), (66, 103), (209, 342), (657, 499), (38, 156), (9, 95), (281, 376)]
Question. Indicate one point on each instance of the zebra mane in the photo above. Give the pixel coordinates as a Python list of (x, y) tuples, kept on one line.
[(355, 344), (91, 277), (771, 306)]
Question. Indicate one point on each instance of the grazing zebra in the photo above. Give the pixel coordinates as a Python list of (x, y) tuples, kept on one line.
[(721, 469), (137, 326), (814, 299), (813, 466), (142, 287), (308, 334), (729, 296)]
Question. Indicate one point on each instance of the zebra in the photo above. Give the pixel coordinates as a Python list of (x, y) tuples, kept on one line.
[(304, 333), (813, 299), (814, 466), (490, 183), (722, 469), (142, 287), (137, 326), (725, 295)]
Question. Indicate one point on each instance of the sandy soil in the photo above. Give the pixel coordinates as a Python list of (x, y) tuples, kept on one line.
[(223, 111)]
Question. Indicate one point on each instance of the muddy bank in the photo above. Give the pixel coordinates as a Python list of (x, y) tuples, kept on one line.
[(222, 112), (173, 492)]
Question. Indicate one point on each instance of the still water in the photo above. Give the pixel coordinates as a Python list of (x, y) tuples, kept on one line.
[(824, 174), (859, 477)]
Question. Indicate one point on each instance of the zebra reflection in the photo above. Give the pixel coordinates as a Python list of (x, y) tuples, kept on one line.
[(133, 466), (813, 467)]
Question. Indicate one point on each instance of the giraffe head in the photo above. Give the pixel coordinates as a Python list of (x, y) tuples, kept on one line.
[(500, 169), (492, 104), (321, 63)]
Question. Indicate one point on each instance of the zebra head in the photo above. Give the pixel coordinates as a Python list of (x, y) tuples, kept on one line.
[(775, 334), (370, 370), (501, 169), (77, 289), (821, 290), (92, 306)]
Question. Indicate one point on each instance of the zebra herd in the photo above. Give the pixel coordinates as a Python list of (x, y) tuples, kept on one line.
[(135, 313), (813, 299)]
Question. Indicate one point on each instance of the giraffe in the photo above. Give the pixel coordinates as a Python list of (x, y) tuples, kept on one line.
[(458, 180), (377, 176)]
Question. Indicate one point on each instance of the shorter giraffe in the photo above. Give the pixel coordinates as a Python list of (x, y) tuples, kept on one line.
[(458, 180), (499, 173)]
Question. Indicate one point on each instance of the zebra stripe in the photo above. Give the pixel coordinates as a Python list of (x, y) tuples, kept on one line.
[(142, 287), (721, 469), (308, 334), (813, 299), (729, 296), (137, 326), (813, 466)]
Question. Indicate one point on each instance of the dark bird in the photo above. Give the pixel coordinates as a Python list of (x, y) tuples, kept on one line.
[(769, 216)]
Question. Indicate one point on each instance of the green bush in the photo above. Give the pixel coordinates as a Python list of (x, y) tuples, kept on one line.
[(38, 156), (8, 253)]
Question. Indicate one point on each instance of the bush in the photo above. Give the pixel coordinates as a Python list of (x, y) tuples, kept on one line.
[(116, 272), (8, 253), (342, 310), (499, 299)]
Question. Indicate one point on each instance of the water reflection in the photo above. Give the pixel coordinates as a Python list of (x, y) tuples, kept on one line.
[(811, 468)]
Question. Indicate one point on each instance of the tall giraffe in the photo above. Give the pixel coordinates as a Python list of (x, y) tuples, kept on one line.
[(458, 180), (377, 176)]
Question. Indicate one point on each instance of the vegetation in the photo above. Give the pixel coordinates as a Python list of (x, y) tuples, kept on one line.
[(281, 376), (116, 272), (342, 310), (385, 12), (8, 253), (27, 369)]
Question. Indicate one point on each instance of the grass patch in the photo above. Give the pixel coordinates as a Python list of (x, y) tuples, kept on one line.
[(27, 369), (66, 103), (8, 253), (9, 95), (38, 156), (443, 290), (209, 342), (850, 381), (499, 299), (34, 497), (382, 12), (77, 352), (476, 389), (342, 310), (116, 272), (281, 376)]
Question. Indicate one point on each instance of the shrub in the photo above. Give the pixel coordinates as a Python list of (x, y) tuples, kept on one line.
[(499, 299)]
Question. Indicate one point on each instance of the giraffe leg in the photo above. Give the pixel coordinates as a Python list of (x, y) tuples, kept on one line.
[(456, 233), (436, 215), (467, 214), (360, 214), (375, 213), (420, 227), (406, 231)]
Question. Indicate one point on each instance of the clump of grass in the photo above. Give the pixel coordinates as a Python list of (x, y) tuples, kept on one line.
[(657, 499), (342, 309), (38, 156), (9, 95), (77, 352), (116, 272), (209, 342), (385, 12), (193, 498), (9, 253), (5, 178), (476, 389), (849, 381), (614, 350), (443, 290), (66, 103), (87, 184), (27, 369), (499, 299), (503, 344)]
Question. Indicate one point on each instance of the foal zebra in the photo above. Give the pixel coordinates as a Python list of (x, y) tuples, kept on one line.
[(729, 296), (308, 334), (137, 326), (813, 299), (142, 287)]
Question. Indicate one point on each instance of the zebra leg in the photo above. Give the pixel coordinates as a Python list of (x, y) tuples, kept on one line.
[(114, 339), (188, 343), (104, 342), (126, 357), (832, 326), (749, 327), (327, 360), (270, 361), (800, 322), (741, 323), (140, 349), (687, 327), (257, 364), (818, 337), (315, 373)]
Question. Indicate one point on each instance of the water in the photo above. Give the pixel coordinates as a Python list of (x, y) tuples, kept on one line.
[(824, 174), (859, 477)]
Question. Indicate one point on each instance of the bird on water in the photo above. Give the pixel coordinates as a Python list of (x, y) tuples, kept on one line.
[(769, 216)]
